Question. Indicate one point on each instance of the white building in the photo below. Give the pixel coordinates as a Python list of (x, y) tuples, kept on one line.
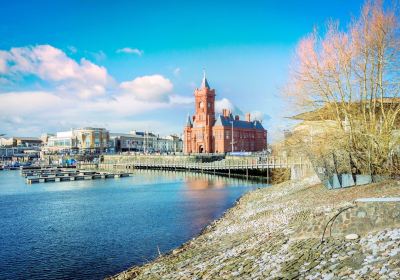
[(144, 142)]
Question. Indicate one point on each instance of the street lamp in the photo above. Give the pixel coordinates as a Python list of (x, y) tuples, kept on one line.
[(144, 143), (232, 136)]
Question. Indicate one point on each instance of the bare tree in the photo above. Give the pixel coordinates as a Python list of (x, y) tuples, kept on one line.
[(352, 77)]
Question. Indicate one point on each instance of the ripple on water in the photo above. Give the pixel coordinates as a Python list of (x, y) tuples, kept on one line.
[(96, 228)]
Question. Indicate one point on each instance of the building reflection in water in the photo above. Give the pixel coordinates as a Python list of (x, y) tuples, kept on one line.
[(210, 195), (203, 196), (203, 183)]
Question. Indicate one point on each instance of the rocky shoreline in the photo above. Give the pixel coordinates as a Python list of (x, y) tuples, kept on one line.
[(283, 232)]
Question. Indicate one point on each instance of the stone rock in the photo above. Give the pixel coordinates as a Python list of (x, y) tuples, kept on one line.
[(352, 236)]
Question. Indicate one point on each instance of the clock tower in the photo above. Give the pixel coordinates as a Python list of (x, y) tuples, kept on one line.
[(204, 102), (204, 118), (206, 133)]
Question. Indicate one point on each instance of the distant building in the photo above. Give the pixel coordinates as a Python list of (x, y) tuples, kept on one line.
[(134, 141), (169, 144), (88, 139), (32, 142), (45, 137), (146, 142), (205, 133)]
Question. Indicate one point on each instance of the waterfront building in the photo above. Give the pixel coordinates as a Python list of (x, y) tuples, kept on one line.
[(174, 143), (169, 144), (206, 133), (32, 142), (134, 141), (45, 137), (318, 125), (145, 142), (87, 140)]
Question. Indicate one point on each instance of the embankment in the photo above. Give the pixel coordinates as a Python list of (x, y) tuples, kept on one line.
[(294, 230)]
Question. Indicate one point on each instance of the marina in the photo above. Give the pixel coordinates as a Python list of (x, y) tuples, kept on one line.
[(44, 175)]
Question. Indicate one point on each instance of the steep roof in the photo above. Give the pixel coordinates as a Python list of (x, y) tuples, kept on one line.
[(226, 121), (204, 82), (189, 121)]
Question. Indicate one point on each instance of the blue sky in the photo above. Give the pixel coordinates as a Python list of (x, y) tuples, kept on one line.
[(134, 64)]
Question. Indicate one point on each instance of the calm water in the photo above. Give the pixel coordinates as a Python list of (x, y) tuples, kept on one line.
[(91, 229)]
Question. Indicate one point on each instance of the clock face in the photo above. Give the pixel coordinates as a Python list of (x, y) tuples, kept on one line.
[(201, 105)]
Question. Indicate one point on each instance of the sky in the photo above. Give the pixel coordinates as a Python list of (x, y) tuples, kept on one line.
[(134, 65)]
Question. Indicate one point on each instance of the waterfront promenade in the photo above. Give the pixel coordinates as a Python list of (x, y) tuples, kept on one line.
[(244, 166)]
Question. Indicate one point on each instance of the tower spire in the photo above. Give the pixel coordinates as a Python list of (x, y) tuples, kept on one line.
[(188, 121), (204, 83)]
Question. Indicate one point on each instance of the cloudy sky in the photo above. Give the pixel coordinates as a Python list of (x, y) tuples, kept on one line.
[(129, 65)]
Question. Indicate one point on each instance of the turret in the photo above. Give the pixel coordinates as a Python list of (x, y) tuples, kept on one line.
[(189, 121), (204, 82)]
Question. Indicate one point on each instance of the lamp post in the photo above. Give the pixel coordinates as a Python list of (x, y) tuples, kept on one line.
[(232, 136), (145, 143)]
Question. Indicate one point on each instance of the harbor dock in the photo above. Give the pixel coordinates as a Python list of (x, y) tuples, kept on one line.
[(57, 174)]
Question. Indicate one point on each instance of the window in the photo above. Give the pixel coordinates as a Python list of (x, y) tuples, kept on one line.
[(227, 134)]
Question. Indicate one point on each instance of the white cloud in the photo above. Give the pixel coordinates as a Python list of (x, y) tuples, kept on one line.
[(81, 93), (3, 61), (179, 99), (154, 88), (259, 116), (75, 94), (84, 79), (47, 111), (122, 105), (130, 51), (30, 103), (225, 103)]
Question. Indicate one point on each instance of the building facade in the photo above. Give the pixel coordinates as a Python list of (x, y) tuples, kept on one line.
[(88, 140), (145, 142), (32, 142), (206, 133), (134, 141)]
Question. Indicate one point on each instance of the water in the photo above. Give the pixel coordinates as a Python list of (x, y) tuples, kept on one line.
[(93, 229)]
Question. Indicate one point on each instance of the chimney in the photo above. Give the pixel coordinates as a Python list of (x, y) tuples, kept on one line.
[(225, 112), (236, 117), (248, 117)]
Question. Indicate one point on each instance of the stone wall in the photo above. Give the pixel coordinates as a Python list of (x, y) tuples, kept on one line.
[(361, 217)]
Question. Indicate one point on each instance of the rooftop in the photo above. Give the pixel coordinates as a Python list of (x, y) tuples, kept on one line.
[(227, 121), (327, 112)]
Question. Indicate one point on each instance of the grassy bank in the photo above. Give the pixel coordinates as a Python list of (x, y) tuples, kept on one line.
[(263, 237)]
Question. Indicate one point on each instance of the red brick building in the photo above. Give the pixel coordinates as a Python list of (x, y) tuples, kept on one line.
[(205, 133)]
